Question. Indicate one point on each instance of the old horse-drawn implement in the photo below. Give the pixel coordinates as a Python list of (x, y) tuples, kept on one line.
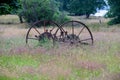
[(71, 32)]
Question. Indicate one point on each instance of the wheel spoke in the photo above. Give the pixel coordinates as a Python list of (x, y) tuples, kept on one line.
[(85, 39), (44, 26), (36, 30), (72, 28), (81, 31), (52, 29), (56, 31), (33, 38)]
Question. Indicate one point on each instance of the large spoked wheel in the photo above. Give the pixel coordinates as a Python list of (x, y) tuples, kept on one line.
[(42, 32), (75, 32)]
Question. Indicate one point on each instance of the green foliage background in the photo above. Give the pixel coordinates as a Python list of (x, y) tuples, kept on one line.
[(34, 10), (9, 6), (114, 11), (86, 7)]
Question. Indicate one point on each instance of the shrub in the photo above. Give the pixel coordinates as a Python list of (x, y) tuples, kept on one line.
[(114, 21)]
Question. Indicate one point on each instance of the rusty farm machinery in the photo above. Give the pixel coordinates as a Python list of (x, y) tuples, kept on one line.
[(70, 32)]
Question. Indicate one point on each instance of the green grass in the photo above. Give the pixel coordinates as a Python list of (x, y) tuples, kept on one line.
[(87, 74), (46, 43), (15, 63), (9, 43), (2, 77), (18, 60)]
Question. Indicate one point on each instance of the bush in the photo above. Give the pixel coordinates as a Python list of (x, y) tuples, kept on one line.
[(114, 21), (34, 10)]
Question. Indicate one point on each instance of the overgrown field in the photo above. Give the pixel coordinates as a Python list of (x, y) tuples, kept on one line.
[(100, 61)]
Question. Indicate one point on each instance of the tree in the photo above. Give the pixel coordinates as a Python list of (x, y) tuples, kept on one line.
[(85, 7), (114, 11), (9, 6), (34, 10), (64, 4)]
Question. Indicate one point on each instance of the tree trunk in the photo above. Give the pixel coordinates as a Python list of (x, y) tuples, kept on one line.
[(87, 16), (20, 18)]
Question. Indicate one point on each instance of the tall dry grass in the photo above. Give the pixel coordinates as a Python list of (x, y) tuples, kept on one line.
[(9, 19)]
